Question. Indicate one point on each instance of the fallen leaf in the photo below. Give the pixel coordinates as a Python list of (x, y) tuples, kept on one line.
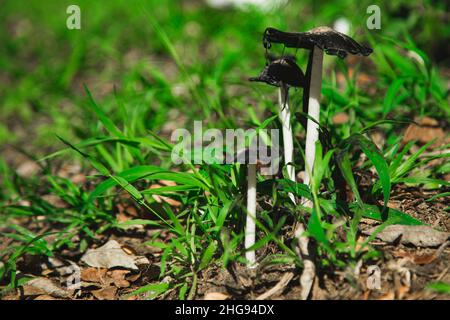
[(94, 275), (44, 286), (426, 131), (107, 293), (133, 277), (111, 255), (419, 236), (216, 296), (87, 286), (118, 278), (105, 277), (422, 259)]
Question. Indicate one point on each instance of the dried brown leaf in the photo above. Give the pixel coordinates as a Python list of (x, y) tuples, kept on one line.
[(112, 255), (44, 286), (426, 131), (419, 236), (421, 259), (118, 278), (107, 293), (94, 275)]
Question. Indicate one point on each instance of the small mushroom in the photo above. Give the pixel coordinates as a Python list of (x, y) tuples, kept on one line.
[(281, 72), (251, 158), (250, 226), (284, 73), (317, 40)]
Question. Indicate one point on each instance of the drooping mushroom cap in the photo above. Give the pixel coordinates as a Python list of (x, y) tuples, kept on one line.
[(327, 39), (283, 71)]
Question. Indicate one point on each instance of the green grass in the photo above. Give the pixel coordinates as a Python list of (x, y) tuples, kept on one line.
[(108, 91)]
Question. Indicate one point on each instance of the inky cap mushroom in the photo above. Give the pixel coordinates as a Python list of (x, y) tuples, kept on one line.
[(327, 39), (254, 159), (282, 71)]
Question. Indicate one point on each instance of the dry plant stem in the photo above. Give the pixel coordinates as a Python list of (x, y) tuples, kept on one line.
[(288, 141), (250, 228), (312, 135), (278, 288)]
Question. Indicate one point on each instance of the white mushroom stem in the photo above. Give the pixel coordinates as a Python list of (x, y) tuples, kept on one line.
[(309, 270), (250, 228), (312, 131), (288, 141), (312, 135)]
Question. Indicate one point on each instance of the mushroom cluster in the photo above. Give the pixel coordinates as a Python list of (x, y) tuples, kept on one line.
[(317, 40), (284, 73)]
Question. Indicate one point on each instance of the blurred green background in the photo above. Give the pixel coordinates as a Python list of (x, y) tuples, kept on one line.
[(43, 64)]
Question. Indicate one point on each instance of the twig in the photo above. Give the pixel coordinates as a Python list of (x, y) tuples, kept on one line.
[(278, 287)]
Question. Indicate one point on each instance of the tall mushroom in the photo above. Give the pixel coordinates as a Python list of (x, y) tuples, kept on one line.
[(317, 40), (284, 73)]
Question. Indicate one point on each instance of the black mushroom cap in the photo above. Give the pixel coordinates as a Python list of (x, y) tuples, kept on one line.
[(327, 39), (282, 71)]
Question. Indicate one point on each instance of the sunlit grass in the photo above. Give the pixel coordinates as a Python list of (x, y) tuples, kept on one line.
[(109, 90)]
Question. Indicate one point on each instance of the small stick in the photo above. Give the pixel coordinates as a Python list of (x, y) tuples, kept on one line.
[(278, 287)]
